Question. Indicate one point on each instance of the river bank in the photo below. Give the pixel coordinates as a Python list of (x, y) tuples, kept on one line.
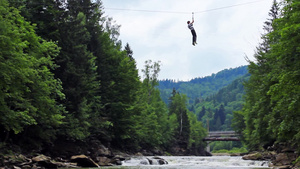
[(95, 156), (73, 155), (39, 161), (258, 159), (141, 162)]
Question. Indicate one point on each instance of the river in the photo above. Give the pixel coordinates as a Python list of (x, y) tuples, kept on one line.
[(193, 162)]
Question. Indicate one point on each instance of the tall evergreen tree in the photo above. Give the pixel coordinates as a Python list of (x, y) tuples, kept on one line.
[(272, 93), (48, 15), (285, 93), (129, 51), (221, 113), (78, 73), (119, 84), (201, 113)]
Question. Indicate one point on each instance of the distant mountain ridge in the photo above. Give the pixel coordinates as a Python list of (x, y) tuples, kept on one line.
[(203, 87)]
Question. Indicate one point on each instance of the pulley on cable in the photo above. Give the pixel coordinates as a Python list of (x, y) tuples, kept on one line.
[(191, 27)]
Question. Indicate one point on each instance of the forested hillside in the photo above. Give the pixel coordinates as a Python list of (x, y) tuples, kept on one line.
[(66, 79), (213, 98), (217, 109), (200, 88)]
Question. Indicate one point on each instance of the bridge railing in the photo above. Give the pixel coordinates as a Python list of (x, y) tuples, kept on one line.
[(222, 134)]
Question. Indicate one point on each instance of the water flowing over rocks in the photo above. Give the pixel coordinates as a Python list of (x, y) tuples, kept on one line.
[(194, 162), (145, 160), (96, 155)]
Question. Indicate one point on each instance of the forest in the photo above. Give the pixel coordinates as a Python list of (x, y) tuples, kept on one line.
[(200, 88), (213, 99), (65, 77), (270, 113), (212, 96), (79, 85)]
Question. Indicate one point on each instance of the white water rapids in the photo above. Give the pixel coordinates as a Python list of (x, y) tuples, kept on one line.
[(193, 162)]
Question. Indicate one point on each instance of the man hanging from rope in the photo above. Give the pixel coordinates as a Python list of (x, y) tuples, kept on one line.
[(190, 26)]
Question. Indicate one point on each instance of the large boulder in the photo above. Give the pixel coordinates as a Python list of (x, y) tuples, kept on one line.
[(253, 156), (157, 161), (44, 161), (84, 161), (284, 159), (117, 159), (103, 151), (41, 158), (104, 161), (260, 156), (160, 161)]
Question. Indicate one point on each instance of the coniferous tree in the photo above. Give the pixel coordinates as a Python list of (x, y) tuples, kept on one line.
[(78, 74), (221, 113), (258, 106), (272, 93), (201, 113), (285, 93), (129, 51)]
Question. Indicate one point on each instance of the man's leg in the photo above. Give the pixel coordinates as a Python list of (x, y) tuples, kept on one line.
[(194, 37)]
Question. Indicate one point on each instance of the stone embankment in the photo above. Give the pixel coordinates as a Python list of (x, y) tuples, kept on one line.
[(102, 157), (41, 161), (283, 158)]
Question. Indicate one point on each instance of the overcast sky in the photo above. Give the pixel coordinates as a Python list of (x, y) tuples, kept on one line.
[(227, 30)]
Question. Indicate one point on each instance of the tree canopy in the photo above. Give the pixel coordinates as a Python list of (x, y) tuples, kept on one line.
[(29, 92), (66, 77), (271, 110)]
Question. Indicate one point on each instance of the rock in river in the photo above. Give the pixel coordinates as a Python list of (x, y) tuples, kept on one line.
[(84, 161)]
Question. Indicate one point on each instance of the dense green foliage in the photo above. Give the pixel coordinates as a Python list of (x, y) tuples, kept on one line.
[(217, 104), (216, 111), (29, 92), (215, 108), (218, 108), (64, 76), (272, 104), (200, 88)]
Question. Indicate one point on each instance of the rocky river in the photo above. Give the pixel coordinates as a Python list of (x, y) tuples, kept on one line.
[(192, 162), (283, 158)]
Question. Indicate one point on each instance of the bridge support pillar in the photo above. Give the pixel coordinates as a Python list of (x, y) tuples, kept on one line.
[(208, 146)]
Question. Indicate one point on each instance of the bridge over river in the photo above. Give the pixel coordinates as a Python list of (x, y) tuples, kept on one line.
[(222, 136)]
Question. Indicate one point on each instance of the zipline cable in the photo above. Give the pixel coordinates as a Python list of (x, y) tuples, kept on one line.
[(144, 10), (230, 6), (179, 12)]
